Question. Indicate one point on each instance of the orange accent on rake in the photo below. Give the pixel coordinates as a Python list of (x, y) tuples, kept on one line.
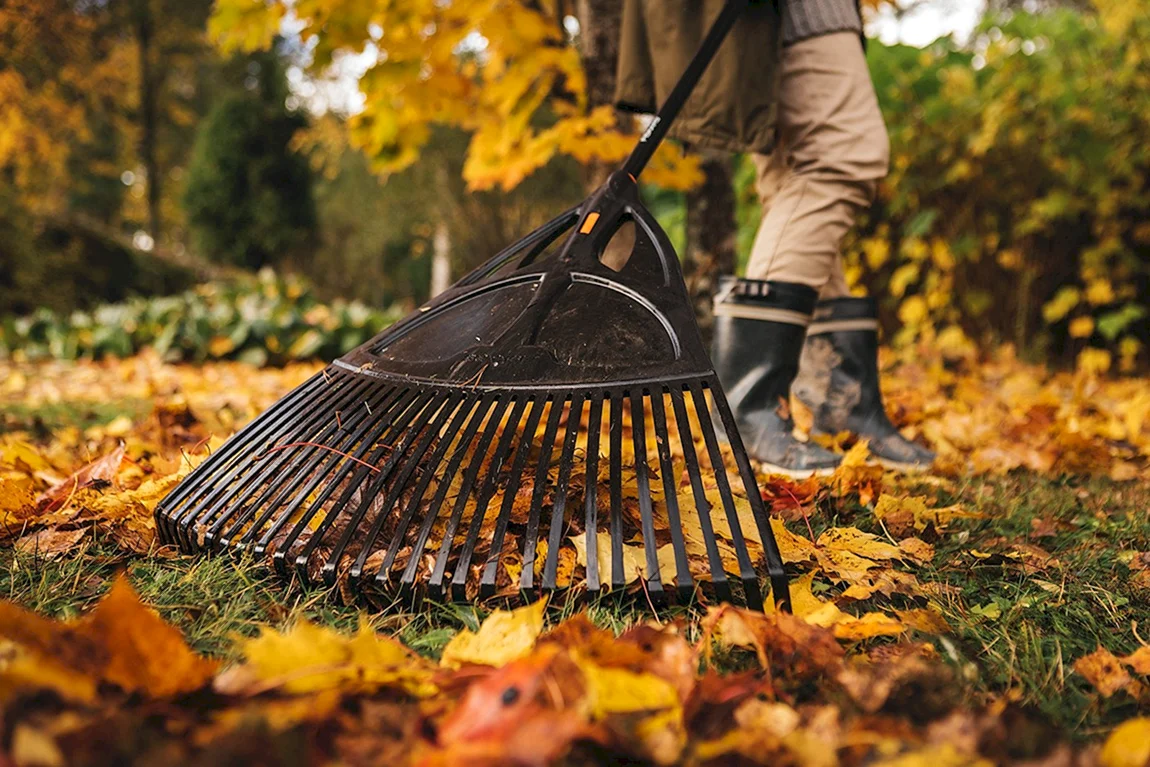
[(589, 223)]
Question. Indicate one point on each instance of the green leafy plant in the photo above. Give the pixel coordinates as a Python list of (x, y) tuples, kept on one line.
[(267, 320)]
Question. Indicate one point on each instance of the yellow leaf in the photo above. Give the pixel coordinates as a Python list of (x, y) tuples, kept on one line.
[(310, 658), (1081, 327), (871, 625), (503, 637), (1128, 745), (620, 691)]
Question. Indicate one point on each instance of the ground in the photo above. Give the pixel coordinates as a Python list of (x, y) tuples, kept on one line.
[(996, 605)]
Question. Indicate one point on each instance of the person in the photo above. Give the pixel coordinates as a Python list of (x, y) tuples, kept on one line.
[(791, 86)]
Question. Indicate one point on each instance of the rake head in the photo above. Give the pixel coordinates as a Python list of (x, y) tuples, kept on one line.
[(545, 404)]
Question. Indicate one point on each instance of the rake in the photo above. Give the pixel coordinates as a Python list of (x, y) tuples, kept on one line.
[(545, 399)]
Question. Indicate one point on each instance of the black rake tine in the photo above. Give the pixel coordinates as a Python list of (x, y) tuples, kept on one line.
[(462, 450), (336, 438), (191, 483), (566, 463), (531, 534), (217, 494), (670, 487), (387, 423), (591, 487), (461, 411), (746, 567), (646, 509), (780, 588), (618, 576), (470, 474), (483, 500), (413, 412), (355, 429), (342, 467), (237, 501), (522, 452), (702, 505), (425, 433), (218, 470)]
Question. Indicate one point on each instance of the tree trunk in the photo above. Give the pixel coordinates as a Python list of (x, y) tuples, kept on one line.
[(710, 235), (144, 42), (599, 25), (440, 259)]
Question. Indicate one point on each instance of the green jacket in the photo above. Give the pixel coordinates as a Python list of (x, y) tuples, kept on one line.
[(734, 105)]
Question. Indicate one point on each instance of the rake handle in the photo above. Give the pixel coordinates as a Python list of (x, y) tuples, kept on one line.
[(661, 123)]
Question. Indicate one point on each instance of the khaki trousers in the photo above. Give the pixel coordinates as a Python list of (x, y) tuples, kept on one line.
[(832, 151)]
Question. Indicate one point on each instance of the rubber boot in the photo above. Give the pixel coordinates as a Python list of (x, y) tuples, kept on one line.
[(838, 381), (758, 337)]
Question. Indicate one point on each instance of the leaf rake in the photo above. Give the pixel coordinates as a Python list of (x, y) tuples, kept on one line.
[(543, 398)]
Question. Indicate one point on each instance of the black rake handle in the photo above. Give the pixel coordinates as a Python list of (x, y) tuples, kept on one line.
[(666, 115)]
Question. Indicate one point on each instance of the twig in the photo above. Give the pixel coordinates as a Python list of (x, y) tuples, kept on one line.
[(321, 447)]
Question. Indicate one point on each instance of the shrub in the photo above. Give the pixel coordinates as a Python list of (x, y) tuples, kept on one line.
[(268, 320)]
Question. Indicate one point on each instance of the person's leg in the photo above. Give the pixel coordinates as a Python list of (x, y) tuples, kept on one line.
[(833, 152)]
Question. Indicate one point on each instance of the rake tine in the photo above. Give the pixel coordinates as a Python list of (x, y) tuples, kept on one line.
[(274, 466), (469, 477), (522, 452), (531, 535), (462, 409), (416, 412), (214, 501), (462, 449), (779, 585), (487, 490), (591, 486), (702, 505), (343, 466), (389, 418), (618, 576), (646, 509), (555, 529), (666, 468), (354, 429), (746, 568), (426, 434), (340, 436), (192, 485), (216, 473)]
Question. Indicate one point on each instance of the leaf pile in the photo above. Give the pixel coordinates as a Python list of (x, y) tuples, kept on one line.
[(119, 685)]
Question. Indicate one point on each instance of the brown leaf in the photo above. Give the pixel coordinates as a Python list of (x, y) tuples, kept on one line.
[(50, 544), (102, 470)]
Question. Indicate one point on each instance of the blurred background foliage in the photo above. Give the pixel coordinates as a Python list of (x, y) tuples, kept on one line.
[(149, 167)]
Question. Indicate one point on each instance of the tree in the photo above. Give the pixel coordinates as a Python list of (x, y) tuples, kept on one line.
[(249, 197), (508, 72)]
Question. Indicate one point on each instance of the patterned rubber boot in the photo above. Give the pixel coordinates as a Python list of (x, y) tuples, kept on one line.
[(758, 338), (838, 381)]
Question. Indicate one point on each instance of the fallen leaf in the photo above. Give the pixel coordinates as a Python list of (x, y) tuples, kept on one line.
[(309, 658), (1128, 745), (502, 637)]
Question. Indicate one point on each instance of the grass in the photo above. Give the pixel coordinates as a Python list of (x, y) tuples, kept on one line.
[(1017, 630)]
